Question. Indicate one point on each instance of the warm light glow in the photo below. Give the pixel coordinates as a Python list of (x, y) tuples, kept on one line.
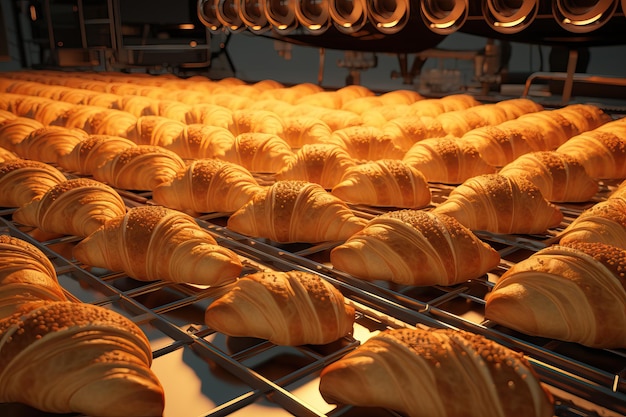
[(33, 13), (314, 27), (582, 22), (442, 25), (510, 24), (186, 26)]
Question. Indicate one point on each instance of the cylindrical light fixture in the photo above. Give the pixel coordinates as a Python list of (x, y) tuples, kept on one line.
[(228, 14), (444, 16), (348, 16), (313, 15), (583, 16), (388, 16), (252, 14), (207, 13), (509, 16), (282, 15)]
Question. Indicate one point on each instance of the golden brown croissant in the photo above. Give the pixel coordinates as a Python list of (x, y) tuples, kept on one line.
[(209, 114), (152, 242), (259, 152), (603, 222), (575, 294), (433, 107), (74, 207), (92, 152), (302, 130), (415, 247), (112, 122), (405, 131), (155, 130), (88, 359), (6, 115), (49, 143), (560, 177), (384, 183), (321, 163), (206, 186), (21, 180), (261, 121), (447, 160), (365, 143), (500, 204), (296, 211), (26, 274), (13, 131), (140, 167), (197, 141), (287, 308), (171, 109), (415, 371), (601, 151), (6, 155)]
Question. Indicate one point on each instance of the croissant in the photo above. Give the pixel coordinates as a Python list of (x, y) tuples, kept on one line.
[(295, 211), (92, 152), (26, 274), (113, 123), (500, 204), (433, 107), (171, 109), (459, 122), (321, 163), (6, 115), (259, 152), (560, 177), (49, 143), (21, 180), (155, 130), (74, 207), (415, 247), (303, 130), (88, 359), (603, 222), (335, 119), (365, 143), (260, 121), (152, 242), (384, 183), (209, 114), (202, 141), (49, 112), (573, 293), (80, 117), (207, 185), (6, 155), (415, 371), (140, 167), (447, 160), (601, 151), (287, 308), (405, 131), (13, 131)]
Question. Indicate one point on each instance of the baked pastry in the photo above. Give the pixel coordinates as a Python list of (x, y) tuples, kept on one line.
[(560, 177), (197, 141), (365, 143), (140, 167), (601, 151), (13, 131), (26, 274), (21, 180), (433, 107), (501, 204), (171, 109), (49, 144), (603, 222), (259, 152), (6, 155), (88, 359), (152, 242), (384, 183), (295, 211), (415, 247), (573, 293), (112, 122), (206, 186), (415, 372), (92, 152), (287, 308), (303, 130), (321, 163), (447, 160), (405, 131), (155, 130), (209, 114), (74, 207), (261, 121)]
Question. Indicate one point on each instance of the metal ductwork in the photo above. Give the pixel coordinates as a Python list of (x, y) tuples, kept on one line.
[(252, 14), (509, 16), (583, 16), (389, 16), (444, 16), (349, 16), (282, 15)]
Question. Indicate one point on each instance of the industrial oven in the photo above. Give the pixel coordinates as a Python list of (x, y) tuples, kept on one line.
[(206, 373)]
